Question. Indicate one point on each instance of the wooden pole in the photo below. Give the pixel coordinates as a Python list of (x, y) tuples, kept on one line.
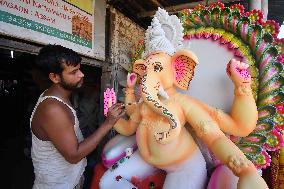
[(264, 8)]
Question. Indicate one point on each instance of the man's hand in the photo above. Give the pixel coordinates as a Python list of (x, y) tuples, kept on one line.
[(114, 113)]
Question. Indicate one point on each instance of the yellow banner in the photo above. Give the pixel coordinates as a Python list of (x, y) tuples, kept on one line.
[(85, 5)]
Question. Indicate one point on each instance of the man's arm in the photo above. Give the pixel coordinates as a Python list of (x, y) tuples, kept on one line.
[(59, 127)]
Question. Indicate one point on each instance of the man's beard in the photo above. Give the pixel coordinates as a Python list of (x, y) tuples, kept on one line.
[(69, 86)]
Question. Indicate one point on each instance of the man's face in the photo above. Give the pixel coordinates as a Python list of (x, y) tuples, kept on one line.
[(71, 77)]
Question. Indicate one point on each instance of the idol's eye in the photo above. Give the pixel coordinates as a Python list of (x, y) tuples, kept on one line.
[(158, 67)]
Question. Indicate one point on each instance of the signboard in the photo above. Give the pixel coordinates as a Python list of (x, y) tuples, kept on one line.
[(69, 23)]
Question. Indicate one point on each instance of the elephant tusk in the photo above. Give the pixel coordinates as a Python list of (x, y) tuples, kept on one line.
[(163, 93)]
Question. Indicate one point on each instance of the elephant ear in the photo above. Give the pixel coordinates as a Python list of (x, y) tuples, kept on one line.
[(139, 67), (184, 63)]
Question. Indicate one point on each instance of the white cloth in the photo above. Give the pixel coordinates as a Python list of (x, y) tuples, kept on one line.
[(51, 170), (125, 169), (190, 174)]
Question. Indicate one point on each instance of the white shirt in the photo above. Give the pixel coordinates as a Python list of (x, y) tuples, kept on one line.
[(51, 169)]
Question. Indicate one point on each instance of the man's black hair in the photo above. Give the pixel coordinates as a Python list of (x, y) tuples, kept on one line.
[(52, 57)]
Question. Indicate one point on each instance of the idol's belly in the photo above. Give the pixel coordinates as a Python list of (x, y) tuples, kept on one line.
[(163, 155)]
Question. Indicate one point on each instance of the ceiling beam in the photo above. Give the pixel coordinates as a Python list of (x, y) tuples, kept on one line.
[(157, 3), (136, 5), (163, 2), (111, 2), (176, 8)]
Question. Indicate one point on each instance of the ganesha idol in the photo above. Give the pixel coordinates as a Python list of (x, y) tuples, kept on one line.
[(160, 119)]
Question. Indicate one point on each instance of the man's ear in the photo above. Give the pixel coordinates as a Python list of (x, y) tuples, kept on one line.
[(55, 78)]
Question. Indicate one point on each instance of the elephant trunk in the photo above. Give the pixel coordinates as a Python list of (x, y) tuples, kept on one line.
[(150, 90)]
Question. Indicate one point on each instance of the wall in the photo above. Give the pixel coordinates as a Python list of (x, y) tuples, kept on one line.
[(210, 83), (99, 29), (124, 37), (276, 10)]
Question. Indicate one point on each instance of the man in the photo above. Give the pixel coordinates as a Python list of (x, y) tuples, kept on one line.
[(58, 147)]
